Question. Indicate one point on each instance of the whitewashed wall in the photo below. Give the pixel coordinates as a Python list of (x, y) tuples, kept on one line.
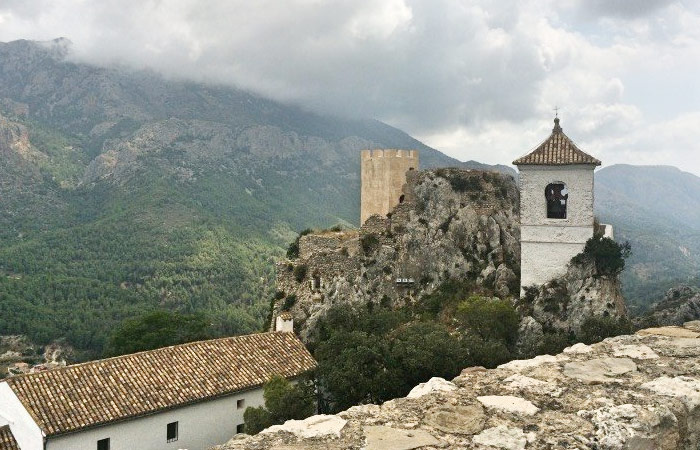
[(200, 426), (26, 431), (547, 245)]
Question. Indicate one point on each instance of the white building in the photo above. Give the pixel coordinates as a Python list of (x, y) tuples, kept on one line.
[(556, 207), (189, 396)]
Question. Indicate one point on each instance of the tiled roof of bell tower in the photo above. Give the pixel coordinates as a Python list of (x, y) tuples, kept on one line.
[(557, 150)]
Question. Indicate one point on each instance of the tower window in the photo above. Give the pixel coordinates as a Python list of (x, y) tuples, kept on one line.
[(103, 444), (557, 197)]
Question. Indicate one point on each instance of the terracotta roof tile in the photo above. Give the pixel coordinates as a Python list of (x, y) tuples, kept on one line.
[(7, 439), (557, 150), (98, 392)]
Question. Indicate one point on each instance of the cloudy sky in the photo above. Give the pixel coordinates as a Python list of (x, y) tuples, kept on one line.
[(477, 79)]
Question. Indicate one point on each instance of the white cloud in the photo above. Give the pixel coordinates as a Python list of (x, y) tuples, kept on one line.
[(478, 79)]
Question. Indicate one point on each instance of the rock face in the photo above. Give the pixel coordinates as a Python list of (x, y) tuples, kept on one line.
[(566, 302), (680, 304), (640, 392), (452, 225)]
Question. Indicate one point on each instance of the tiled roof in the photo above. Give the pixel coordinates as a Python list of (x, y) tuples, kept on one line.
[(113, 389), (557, 150), (7, 440)]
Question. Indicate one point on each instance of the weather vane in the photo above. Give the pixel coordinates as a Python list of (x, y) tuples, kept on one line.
[(556, 111)]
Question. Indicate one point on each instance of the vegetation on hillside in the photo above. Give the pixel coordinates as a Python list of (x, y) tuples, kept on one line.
[(154, 330), (372, 354)]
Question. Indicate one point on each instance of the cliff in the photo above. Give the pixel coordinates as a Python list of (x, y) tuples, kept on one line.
[(629, 392), (452, 225), (679, 305)]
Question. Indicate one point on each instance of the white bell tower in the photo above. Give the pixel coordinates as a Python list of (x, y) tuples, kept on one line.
[(556, 206)]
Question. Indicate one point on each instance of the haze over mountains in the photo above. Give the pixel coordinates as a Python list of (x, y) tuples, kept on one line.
[(122, 192)]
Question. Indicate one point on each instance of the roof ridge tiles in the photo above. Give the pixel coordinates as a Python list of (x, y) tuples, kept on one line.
[(557, 149)]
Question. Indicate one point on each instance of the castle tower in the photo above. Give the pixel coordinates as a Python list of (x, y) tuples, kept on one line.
[(556, 206), (383, 177)]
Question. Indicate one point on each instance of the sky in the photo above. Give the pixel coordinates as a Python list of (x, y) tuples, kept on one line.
[(476, 79)]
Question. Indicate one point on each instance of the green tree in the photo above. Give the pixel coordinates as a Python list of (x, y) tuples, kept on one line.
[(490, 319), (256, 419), (608, 256), (352, 367), (283, 401), (421, 350), (157, 329)]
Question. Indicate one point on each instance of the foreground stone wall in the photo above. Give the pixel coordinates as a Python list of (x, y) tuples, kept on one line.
[(630, 392)]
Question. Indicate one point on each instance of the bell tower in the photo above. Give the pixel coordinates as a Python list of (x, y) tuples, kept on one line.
[(556, 206)]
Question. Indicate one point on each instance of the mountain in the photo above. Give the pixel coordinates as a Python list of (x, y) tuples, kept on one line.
[(122, 191), (656, 208)]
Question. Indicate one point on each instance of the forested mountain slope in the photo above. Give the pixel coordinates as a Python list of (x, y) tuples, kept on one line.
[(122, 192)]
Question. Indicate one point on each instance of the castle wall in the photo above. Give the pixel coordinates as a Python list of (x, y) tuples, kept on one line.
[(383, 177), (547, 245)]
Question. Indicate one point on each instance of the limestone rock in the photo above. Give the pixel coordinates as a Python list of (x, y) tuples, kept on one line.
[(670, 332), (599, 370), (457, 419), (578, 348), (502, 436), (685, 389), (509, 403), (435, 384), (520, 364), (635, 352), (634, 427), (566, 302), (314, 426), (385, 438)]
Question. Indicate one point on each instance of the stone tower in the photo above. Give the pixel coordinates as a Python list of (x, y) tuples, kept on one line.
[(383, 177), (556, 206)]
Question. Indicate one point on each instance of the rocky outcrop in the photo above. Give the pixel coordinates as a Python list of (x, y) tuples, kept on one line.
[(452, 225), (680, 304), (565, 303), (629, 392)]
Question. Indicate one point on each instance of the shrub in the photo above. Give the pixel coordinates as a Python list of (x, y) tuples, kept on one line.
[(595, 329), (488, 353), (460, 181), (490, 319), (289, 302), (283, 401), (300, 272), (369, 242), (256, 419), (608, 256), (337, 228)]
